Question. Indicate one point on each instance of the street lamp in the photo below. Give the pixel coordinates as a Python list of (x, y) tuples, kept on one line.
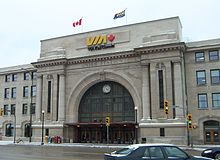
[(42, 136), (136, 125), (30, 128)]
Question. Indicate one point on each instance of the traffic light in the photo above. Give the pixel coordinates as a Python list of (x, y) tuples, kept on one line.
[(107, 121), (166, 107), (1, 112), (189, 118)]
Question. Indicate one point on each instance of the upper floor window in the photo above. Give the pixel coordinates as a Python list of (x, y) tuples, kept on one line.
[(26, 76), (215, 76), (200, 56), (202, 101), (7, 78), (33, 91), (14, 77), (25, 91), (34, 75), (216, 100), (12, 109), (24, 108), (6, 94), (33, 106), (213, 55), (6, 109), (13, 92), (201, 77)]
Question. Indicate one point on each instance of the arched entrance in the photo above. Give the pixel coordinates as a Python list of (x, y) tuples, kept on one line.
[(104, 99), (212, 132)]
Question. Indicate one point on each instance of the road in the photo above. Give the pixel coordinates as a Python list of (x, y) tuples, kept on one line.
[(29, 152)]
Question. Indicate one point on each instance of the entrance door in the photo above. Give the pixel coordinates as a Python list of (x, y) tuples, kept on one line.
[(212, 136)]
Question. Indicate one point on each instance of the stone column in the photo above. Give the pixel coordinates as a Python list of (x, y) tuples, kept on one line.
[(61, 110), (178, 89), (39, 97), (145, 92)]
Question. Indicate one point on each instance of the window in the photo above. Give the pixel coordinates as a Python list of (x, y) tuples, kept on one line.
[(175, 153), (202, 101), (216, 100), (162, 132), (161, 88), (25, 91), (13, 109), (7, 78), (156, 153), (24, 108), (49, 97), (215, 76), (26, 76), (34, 75), (14, 77), (13, 92), (33, 91), (6, 109), (9, 130), (6, 95), (201, 77), (33, 106), (213, 55), (200, 56)]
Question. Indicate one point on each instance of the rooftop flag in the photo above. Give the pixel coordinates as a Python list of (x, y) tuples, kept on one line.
[(120, 14), (77, 23)]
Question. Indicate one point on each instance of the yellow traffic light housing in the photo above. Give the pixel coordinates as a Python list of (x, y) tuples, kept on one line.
[(189, 119), (107, 121), (1, 112), (166, 107)]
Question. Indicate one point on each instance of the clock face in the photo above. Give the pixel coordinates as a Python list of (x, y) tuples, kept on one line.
[(106, 88)]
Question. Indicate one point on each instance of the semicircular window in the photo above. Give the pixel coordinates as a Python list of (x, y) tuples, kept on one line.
[(106, 99)]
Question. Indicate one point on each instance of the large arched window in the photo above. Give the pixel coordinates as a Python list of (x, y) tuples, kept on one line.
[(106, 99), (9, 130)]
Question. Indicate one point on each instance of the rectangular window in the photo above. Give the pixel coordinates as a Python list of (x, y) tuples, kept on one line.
[(7, 93), (7, 78), (6, 109), (216, 100), (200, 56), (14, 77), (25, 91), (202, 101), (162, 132), (13, 92), (24, 108), (34, 75), (49, 97), (213, 55), (33, 91), (12, 109), (201, 77), (33, 106), (161, 93), (215, 76), (26, 76)]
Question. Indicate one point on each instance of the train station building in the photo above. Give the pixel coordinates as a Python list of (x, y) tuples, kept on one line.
[(122, 75)]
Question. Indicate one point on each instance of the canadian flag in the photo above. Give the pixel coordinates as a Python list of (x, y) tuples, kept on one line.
[(77, 23)]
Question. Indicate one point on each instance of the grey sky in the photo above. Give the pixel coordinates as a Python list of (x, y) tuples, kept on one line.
[(23, 23)]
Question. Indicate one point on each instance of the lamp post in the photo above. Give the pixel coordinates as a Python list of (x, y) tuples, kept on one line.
[(136, 125), (42, 136), (30, 128), (14, 127)]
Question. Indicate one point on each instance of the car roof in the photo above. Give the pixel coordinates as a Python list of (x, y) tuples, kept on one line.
[(149, 144)]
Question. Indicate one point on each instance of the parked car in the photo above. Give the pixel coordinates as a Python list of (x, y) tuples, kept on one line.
[(151, 151), (213, 152)]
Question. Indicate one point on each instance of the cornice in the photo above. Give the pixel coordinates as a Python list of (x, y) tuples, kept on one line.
[(161, 48)]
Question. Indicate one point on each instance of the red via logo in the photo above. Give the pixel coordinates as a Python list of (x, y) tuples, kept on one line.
[(111, 37)]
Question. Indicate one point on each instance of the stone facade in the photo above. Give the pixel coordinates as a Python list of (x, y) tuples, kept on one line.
[(148, 59)]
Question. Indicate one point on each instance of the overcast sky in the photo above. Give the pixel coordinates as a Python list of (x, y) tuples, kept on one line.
[(23, 23)]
